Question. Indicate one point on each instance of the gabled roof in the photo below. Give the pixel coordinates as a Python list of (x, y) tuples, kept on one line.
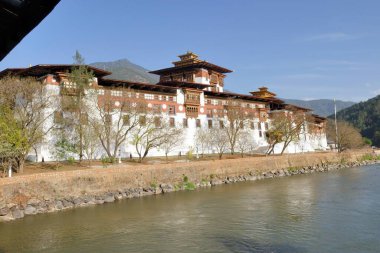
[(136, 85), (44, 69), (201, 64)]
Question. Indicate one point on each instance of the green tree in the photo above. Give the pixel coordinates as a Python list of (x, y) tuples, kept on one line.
[(74, 104)]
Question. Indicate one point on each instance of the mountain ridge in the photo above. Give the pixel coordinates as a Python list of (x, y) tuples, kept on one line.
[(322, 107), (126, 70)]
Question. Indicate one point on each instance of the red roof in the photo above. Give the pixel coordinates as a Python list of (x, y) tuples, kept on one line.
[(44, 69), (136, 85)]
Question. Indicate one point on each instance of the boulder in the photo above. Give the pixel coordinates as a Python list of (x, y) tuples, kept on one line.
[(30, 210), (109, 199), (17, 214), (4, 211)]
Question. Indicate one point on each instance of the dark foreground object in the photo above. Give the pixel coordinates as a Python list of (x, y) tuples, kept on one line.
[(18, 18)]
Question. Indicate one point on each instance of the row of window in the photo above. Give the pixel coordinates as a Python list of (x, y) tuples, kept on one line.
[(119, 93), (234, 103)]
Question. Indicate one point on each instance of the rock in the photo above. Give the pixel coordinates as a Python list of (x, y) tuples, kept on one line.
[(78, 201), (7, 217), (109, 199), (59, 205), (119, 196), (17, 214), (30, 210), (216, 182), (67, 204), (33, 202), (157, 190), (4, 211), (167, 188)]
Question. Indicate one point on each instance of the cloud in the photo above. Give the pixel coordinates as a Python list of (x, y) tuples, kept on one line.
[(330, 37)]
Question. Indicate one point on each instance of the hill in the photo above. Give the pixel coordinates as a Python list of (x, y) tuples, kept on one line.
[(126, 70), (322, 107), (366, 117)]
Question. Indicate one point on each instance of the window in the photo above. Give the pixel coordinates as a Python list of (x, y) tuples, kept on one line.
[(198, 123), (209, 123), (172, 122), (100, 92), (259, 125), (58, 117), (266, 126), (191, 110), (252, 125), (142, 120), (157, 121), (221, 124), (260, 134), (241, 124), (185, 123), (116, 93), (126, 120), (149, 96), (209, 113), (171, 109)]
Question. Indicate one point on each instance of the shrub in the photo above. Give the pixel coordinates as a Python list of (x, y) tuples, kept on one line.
[(367, 157), (189, 186), (71, 160)]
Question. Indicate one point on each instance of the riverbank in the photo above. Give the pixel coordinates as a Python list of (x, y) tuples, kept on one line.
[(55, 191)]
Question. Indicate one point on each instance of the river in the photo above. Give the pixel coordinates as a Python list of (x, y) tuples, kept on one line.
[(326, 212)]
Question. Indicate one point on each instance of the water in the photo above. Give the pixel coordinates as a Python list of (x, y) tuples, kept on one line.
[(328, 212)]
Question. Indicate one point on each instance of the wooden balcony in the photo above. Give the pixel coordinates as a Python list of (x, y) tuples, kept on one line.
[(192, 101)]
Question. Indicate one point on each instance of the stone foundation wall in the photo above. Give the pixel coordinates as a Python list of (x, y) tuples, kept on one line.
[(54, 191)]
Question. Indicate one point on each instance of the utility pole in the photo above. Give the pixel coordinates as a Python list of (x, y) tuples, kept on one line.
[(336, 128)]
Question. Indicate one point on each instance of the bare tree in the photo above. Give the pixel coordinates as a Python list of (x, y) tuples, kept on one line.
[(114, 118), (173, 137), (348, 136), (244, 142), (236, 120), (286, 127), (219, 140), (31, 106), (148, 135), (202, 139)]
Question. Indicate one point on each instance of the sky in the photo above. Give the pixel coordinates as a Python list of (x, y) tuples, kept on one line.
[(300, 49)]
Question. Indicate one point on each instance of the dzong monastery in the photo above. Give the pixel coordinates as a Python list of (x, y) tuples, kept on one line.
[(190, 95)]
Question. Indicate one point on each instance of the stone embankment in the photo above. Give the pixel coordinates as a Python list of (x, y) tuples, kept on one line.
[(50, 192)]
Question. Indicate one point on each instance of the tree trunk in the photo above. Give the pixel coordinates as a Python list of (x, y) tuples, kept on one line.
[(36, 153)]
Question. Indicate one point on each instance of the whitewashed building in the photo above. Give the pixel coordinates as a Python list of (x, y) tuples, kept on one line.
[(189, 95)]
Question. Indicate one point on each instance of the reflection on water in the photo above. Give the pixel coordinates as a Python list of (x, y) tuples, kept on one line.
[(330, 212)]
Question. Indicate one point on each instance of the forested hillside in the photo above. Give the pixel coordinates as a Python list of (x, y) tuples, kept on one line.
[(366, 117)]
